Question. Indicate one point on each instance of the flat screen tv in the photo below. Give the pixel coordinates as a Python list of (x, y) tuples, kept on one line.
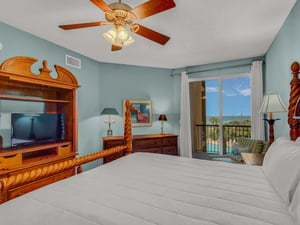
[(33, 129)]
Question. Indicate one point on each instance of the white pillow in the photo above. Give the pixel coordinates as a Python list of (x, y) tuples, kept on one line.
[(281, 167), (295, 205)]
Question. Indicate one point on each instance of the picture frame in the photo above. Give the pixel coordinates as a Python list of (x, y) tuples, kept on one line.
[(141, 112)]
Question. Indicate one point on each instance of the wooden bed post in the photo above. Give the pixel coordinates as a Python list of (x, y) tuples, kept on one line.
[(127, 129), (294, 96)]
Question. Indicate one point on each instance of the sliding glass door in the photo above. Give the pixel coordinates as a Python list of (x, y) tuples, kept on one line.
[(220, 112)]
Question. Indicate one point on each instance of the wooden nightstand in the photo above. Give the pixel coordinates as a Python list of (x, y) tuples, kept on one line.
[(253, 158)]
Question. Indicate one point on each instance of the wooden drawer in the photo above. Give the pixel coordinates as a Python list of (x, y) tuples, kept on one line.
[(151, 150), (170, 150), (146, 143), (113, 157), (64, 149), (15, 192), (170, 141), (110, 144), (9, 161)]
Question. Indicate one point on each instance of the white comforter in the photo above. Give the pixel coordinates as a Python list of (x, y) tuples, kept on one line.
[(147, 189)]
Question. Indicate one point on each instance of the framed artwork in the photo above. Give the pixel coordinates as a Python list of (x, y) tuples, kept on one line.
[(297, 110), (141, 112)]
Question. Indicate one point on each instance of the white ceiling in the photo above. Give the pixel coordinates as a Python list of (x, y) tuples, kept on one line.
[(201, 31)]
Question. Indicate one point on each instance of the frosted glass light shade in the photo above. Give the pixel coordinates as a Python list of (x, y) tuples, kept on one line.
[(129, 41), (110, 35)]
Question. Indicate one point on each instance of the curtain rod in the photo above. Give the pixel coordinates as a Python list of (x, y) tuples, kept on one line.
[(220, 68)]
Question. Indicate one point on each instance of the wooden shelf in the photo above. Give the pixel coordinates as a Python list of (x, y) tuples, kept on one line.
[(32, 99), (9, 152)]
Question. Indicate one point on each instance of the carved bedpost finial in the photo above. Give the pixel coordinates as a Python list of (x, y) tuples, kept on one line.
[(294, 95), (295, 67)]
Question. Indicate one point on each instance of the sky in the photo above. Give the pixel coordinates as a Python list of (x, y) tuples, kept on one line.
[(236, 97)]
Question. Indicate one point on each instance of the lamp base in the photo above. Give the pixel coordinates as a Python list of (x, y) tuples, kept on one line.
[(271, 123), (109, 132)]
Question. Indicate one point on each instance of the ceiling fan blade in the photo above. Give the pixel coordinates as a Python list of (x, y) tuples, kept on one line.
[(101, 5), (83, 25), (150, 34), (152, 7), (116, 47)]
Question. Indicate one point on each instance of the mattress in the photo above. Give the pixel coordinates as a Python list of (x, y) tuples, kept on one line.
[(148, 189)]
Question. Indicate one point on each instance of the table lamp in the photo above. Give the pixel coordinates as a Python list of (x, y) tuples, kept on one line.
[(272, 103), (109, 112), (162, 118)]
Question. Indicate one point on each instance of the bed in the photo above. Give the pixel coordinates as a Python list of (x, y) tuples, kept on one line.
[(147, 189)]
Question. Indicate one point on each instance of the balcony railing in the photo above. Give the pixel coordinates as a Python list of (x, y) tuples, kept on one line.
[(208, 137)]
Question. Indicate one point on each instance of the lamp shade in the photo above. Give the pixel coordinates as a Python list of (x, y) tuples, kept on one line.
[(109, 111), (162, 117), (272, 103)]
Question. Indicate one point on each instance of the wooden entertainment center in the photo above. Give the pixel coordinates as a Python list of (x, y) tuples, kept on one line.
[(18, 83)]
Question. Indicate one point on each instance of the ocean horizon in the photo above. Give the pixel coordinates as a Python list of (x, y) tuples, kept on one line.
[(227, 119)]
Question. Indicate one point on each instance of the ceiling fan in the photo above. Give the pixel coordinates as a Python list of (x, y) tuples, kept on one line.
[(122, 15)]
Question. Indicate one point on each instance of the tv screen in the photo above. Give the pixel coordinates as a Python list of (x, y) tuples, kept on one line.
[(32, 129)]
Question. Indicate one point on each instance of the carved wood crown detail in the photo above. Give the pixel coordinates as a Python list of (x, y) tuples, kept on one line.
[(19, 69)]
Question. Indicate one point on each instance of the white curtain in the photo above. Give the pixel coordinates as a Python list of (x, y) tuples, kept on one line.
[(185, 126), (257, 126)]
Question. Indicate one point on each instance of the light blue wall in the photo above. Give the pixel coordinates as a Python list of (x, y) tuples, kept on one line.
[(102, 85), (284, 50)]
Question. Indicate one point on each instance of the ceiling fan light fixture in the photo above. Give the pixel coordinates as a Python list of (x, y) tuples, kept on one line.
[(129, 41), (122, 33), (110, 35), (118, 36)]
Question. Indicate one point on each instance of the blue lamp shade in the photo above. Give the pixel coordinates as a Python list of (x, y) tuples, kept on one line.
[(109, 111)]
